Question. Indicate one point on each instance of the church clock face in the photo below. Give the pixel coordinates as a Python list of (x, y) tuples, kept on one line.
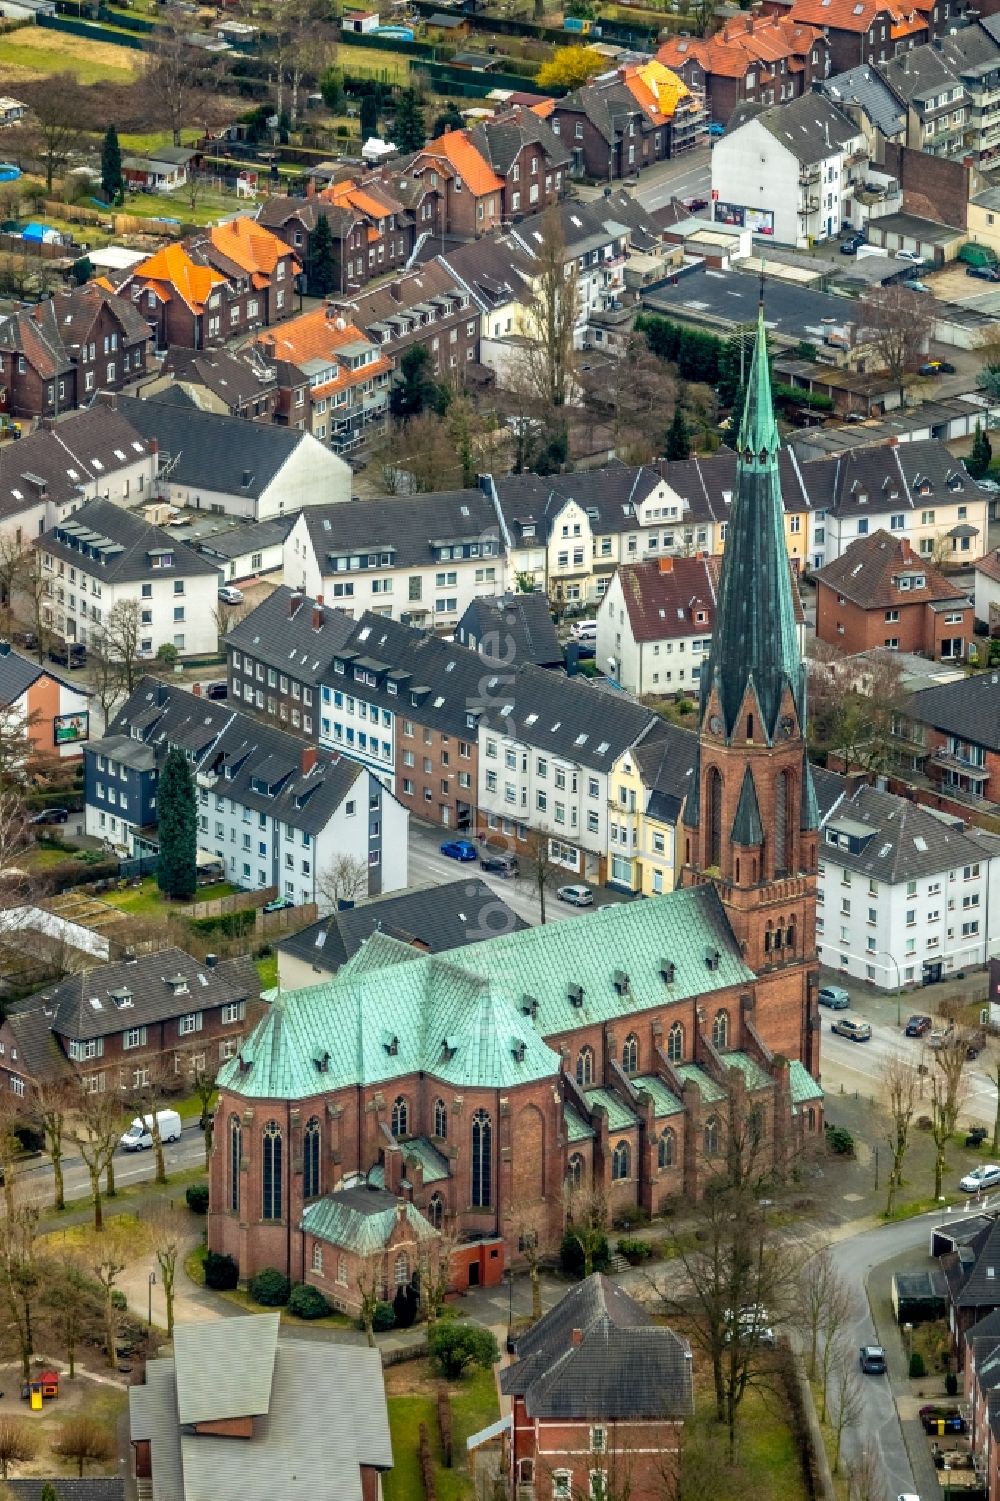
[(785, 726), (715, 724)]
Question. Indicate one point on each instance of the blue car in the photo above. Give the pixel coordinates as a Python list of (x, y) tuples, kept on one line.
[(716, 130), (460, 849)]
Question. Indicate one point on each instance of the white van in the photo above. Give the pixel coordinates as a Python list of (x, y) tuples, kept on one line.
[(584, 630), (139, 1136)]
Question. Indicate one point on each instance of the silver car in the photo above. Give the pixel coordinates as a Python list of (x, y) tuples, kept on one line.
[(577, 896)]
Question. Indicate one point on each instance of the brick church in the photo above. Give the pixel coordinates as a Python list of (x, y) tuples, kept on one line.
[(470, 1095)]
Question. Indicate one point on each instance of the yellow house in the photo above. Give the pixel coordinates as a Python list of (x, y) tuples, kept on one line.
[(646, 790), (983, 221)]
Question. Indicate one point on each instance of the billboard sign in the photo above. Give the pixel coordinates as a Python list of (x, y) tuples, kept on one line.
[(71, 729)]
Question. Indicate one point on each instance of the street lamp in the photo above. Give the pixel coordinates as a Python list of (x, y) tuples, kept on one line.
[(149, 1315), (885, 954)]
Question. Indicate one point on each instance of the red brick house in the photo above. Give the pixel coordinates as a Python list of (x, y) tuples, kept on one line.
[(471, 193), (879, 592), (873, 31), (600, 1393), (769, 59), (56, 355), (951, 735)]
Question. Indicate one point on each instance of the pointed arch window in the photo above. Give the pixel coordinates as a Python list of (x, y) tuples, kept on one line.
[(235, 1156), (675, 1043), (585, 1067), (621, 1161), (630, 1054), (574, 1172), (782, 824), (714, 802), (271, 1170), (666, 1148), (435, 1211), (311, 1159), (768, 937), (720, 1029), (399, 1120), (440, 1119), (790, 936), (755, 1126), (482, 1160), (401, 1269), (711, 1137)]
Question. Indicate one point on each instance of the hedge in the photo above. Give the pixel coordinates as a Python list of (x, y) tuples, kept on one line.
[(221, 1272), (270, 1288), (307, 1302), (196, 1196)]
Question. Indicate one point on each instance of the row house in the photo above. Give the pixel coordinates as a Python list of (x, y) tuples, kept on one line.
[(528, 155), (164, 1013), (545, 756), (767, 59), (102, 555), (648, 786), (873, 31), (629, 119), (424, 306), (879, 593), (595, 250), (294, 221), (948, 738), (234, 383), (56, 355), (937, 106), (275, 811), (470, 194), (329, 367), (390, 227), (293, 639), (233, 279), (420, 558)]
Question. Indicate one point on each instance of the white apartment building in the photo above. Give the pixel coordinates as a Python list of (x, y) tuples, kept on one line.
[(102, 554), (905, 897)]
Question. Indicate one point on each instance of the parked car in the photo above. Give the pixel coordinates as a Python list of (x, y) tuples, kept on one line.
[(916, 286), (584, 630), (50, 815), (976, 1136), (974, 1047), (716, 130), (937, 367), (983, 273), (498, 862), (218, 690), (459, 849), (989, 485), (230, 595), (695, 205), (911, 256), (139, 1136), (577, 896), (872, 1360), (853, 245), (939, 1036), (68, 654), (852, 1029), (834, 996), (917, 1026), (26, 639), (987, 1175), (278, 904)]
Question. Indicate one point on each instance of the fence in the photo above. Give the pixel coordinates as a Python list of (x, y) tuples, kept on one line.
[(92, 31), (289, 919), (238, 901)]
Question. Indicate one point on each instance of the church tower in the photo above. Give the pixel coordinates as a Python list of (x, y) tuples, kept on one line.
[(751, 818)]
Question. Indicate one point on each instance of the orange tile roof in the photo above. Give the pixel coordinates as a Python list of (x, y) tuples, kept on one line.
[(843, 15), (455, 147), (311, 336), (173, 267), (543, 108), (743, 41), (909, 26), (249, 244)]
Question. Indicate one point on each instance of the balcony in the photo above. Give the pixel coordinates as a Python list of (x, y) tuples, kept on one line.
[(809, 206), (809, 175)]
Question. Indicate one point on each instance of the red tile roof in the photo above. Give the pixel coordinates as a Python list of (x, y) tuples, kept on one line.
[(866, 573)]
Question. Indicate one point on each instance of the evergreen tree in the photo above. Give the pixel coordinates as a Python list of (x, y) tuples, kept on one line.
[(48, 1492), (111, 167), (448, 119), (409, 132), (369, 116), (678, 440), (978, 461), (176, 869), (331, 87), (418, 390), (321, 268)]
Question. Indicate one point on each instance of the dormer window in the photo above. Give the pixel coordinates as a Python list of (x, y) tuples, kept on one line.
[(574, 994), (391, 1043), (178, 984), (712, 957), (667, 971), (518, 1050)]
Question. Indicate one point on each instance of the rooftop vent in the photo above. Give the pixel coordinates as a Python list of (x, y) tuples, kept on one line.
[(518, 1050), (574, 994), (621, 981), (667, 971), (712, 957), (391, 1043), (529, 1006)]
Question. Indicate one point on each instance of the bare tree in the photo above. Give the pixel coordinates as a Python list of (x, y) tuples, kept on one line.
[(106, 677), (96, 1136), (14, 834), (168, 1240), (18, 1443), (370, 1289), (65, 1291), (897, 324), (531, 1224), (31, 598), (551, 310), (84, 1440), (435, 1270), (50, 1103), (121, 636), (900, 1092), (948, 1091), (846, 1397), (866, 1475), (345, 878), (822, 1306), (21, 1277), (181, 84), (146, 1094), (542, 870), (587, 1221), (60, 112), (204, 1090), (107, 1268)]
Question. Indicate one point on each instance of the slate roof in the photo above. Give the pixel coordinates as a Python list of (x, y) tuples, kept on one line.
[(220, 738), (919, 75), (501, 140), (494, 270), (50, 333), (69, 1009), (585, 226), (431, 918), (891, 477), (81, 449), (665, 758), (68, 1488), (981, 1288), (248, 536), (865, 88), (867, 571), (405, 526), (362, 1219), (623, 1367), (237, 377), (484, 996), (272, 634), (811, 127), (969, 708), (906, 841), (114, 545), (221, 453), (560, 715), (18, 672), (661, 597), (511, 628), (225, 1373)]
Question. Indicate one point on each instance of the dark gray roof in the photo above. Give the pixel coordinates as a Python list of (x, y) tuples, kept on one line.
[(125, 751), (72, 1012), (666, 759), (623, 1365), (585, 226), (250, 536), (891, 839), (512, 628), (276, 636), (981, 1288), (432, 918), (889, 477), (17, 673), (90, 1488), (972, 51), (74, 452), (564, 716), (865, 88), (723, 299), (501, 141), (969, 707), (236, 377), (221, 453), (404, 525), (919, 76), (810, 127), (222, 740), (494, 270), (109, 543)]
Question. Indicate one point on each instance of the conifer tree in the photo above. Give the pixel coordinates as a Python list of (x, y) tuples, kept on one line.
[(111, 167), (409, 132), (978, 461), (678, 440), (322, 269), (177, 867)]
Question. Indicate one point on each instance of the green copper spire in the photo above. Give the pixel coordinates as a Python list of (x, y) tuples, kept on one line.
[(758, 430)]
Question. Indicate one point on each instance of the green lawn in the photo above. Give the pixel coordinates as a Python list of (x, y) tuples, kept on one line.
[(146, 901), (267, 969), (208, 207), (43, 61), (474, 1405)]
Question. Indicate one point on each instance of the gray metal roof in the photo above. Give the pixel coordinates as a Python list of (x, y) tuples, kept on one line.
[(868, 91), (225, 1369), (563, 717), (969, 708)]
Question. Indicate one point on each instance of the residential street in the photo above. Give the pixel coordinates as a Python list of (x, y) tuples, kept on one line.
[(688, 176), (35, 1178)]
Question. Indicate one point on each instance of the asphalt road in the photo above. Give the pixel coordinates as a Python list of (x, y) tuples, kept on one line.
[(35, 1178), (427, 866), (689, 176)]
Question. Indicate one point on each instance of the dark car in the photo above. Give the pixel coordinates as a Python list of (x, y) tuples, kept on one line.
[(68, 653), (917, 1026), (498, 862), (50, 815), (218, 690), (27, 639), (872, 1360), (976, 1136), (459, 849), (937, 367), (983, 273), (853, 245), (695, 205)]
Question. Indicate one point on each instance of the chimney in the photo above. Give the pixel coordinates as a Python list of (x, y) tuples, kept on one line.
[(196, 689), (395, 291), (309, 754), (317, 617), (4, 648), (905, 549), (319, 599), (211, 960), (294, 604), (666, 565), (576, 1338), (154, 445)]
